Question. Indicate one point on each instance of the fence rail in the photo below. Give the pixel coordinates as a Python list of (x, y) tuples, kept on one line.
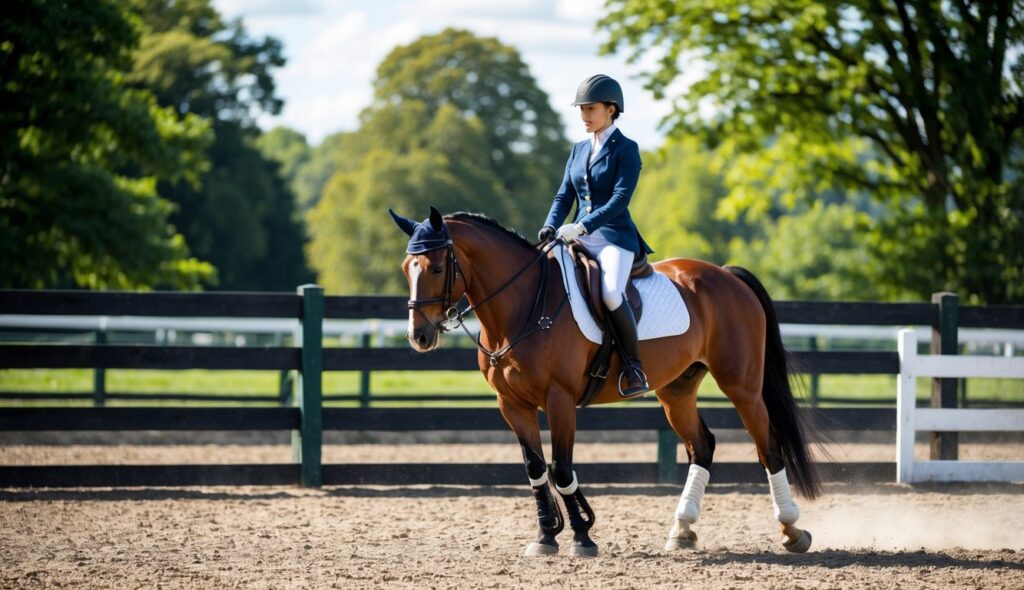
[(309, 418)]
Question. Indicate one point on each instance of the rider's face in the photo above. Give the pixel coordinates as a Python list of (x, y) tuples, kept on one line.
[(596, 116)]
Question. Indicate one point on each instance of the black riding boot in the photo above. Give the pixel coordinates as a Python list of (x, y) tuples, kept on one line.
[(624, 325)]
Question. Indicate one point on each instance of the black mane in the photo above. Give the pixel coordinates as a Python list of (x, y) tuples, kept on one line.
[(489, 222)]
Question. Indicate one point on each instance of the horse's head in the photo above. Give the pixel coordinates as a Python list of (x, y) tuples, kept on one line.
[(431, 269)]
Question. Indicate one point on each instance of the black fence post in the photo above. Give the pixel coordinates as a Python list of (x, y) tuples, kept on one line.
[(815, 377), (308, 440), (364, 377), (99, 376), (944, 394), (668, 464)]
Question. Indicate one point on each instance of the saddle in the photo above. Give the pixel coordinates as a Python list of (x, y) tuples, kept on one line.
[(588, 274)]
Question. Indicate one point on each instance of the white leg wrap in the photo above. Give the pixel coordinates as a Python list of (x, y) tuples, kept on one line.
[(688, 510), (786, 510), (539, 481), (569, 489)]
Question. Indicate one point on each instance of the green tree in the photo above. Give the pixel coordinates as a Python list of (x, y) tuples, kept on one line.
[(306, 168), (675, 205), (243, 219), (481, 77), (81, 153), (354, 243), (457, 123), (915, 101)]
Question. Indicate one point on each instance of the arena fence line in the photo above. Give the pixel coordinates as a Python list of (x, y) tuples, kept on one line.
[(308, 418)]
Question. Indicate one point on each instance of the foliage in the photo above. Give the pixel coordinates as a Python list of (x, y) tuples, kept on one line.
[(243, 219), (458, 123), (81, 152), (480, 77), (306, 169), (917, 102), (355, 245), (675, 205), (806, 253)]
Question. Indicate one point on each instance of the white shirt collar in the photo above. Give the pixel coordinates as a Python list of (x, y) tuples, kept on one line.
[(598, 140)]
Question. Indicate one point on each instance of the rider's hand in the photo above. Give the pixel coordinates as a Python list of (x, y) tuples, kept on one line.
[(546, 234), (571, 231)]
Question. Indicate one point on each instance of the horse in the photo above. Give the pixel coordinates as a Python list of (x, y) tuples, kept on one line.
[(535, 357)]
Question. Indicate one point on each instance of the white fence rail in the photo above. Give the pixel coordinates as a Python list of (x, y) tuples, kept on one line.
[(910, 419)]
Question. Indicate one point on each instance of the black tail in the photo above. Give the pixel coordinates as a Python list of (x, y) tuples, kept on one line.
[(787, 423)]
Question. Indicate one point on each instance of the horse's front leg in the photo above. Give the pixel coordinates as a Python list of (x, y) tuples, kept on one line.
[(523, 422), (561, 411)]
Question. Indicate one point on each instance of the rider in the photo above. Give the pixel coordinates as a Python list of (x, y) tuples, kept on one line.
[(600, 177)]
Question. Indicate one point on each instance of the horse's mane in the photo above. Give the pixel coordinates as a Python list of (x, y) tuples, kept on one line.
[(491, 223)]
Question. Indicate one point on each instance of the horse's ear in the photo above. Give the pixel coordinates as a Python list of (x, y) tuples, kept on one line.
[(435, 219), (404, 223)]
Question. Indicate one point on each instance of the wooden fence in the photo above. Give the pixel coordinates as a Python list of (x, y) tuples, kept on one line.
[(308, 419)]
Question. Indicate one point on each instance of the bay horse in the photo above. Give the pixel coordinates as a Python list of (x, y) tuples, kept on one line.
[(535, 357)]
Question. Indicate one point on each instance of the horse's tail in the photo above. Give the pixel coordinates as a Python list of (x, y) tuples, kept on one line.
[(787, 423)]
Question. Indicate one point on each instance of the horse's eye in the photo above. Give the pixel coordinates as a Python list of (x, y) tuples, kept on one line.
[(437, 270)]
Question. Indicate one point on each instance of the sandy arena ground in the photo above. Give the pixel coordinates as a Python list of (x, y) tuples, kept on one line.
[(881, 536)]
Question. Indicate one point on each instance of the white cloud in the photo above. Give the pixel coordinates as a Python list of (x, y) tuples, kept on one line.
[(333, 51), (580, 10), (232, 8)]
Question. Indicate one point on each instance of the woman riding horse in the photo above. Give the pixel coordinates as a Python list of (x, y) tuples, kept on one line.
[(534, 356), (600, 177)]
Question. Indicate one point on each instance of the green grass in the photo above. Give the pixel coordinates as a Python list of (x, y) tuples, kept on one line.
[(880, 388)]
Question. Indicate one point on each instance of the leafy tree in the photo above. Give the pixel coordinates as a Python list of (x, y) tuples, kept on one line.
[(355, 244), (917, 102), (81, 152), (306, 169), (243, 219), (457, 122), (815, 254), (675, 205), (481, 77)]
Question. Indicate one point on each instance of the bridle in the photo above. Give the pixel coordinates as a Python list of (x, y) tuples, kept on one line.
[(455, 317)]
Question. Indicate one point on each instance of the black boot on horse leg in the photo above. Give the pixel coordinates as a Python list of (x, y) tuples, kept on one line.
[(624, 324), (549, 518), (581, 518)]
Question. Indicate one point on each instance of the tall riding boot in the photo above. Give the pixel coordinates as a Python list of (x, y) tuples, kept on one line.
[(624, 325)]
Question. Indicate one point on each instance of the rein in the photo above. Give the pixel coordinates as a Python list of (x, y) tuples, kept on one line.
[(458, 316)]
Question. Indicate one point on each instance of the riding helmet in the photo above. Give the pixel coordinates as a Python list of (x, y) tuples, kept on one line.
[(599, 88)]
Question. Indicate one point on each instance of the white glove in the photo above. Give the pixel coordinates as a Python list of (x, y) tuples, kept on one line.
[(571, 231)]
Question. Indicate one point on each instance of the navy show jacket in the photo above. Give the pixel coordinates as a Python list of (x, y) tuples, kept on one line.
[(602, 191)]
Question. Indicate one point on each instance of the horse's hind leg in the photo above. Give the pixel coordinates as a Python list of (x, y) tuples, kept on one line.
[(753, 412), (523, 422), (679, 400)]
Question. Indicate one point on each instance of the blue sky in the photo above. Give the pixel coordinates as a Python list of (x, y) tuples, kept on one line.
[(334, 46)]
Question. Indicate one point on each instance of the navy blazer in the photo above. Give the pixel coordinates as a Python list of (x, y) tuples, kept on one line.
[(602, 191)]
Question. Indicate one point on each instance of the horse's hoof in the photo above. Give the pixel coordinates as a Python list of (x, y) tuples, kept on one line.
[(687, 540), (540, 550), (801, 545), (584, 550)]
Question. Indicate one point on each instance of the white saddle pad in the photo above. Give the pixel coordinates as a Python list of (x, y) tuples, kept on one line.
[(665, 313)]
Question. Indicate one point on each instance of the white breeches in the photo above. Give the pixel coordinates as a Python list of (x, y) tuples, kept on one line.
[(615, 262)]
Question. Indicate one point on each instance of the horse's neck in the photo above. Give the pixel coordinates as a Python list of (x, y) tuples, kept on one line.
[(493, 260)]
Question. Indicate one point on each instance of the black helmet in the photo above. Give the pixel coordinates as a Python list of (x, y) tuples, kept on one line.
[(599, 88)]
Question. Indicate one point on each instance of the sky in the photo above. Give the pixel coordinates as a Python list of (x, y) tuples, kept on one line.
[(333, 48)]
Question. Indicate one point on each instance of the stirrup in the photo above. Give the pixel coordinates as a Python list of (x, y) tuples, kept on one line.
[(633, 392)]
